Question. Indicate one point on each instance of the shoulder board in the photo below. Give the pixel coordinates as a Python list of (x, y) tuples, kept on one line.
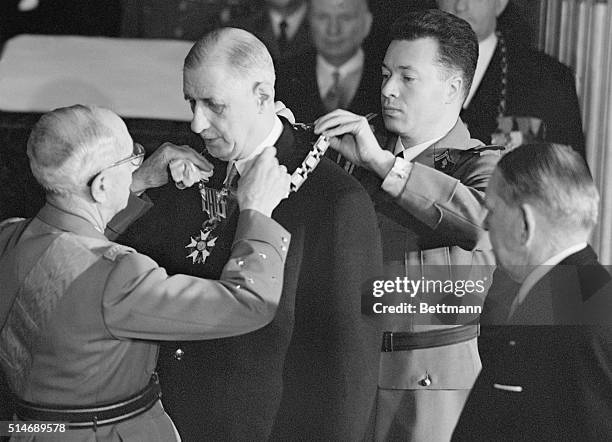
[(116, 251), (10, 221), (491, 149)]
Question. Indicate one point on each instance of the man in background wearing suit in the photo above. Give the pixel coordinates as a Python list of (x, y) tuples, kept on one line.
[(519, 95), (546, 372), (427, 181), (337, 73), (282, 26), (311, 373)]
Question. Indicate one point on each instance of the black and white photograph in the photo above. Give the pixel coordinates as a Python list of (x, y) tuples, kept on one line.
[(305, 220)]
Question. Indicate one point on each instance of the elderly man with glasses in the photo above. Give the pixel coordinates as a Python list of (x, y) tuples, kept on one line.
[(79, 313)]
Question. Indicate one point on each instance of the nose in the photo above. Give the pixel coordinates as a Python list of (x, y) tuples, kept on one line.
[(389, 87), (333, 27), (199, 121)]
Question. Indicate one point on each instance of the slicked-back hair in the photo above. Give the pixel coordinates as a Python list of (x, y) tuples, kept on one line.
[(240, 50), (66, 146), (457, 42), (554, 178)]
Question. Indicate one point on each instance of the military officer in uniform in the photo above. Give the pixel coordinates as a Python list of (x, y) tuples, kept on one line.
[(428, 185), (80, 314)]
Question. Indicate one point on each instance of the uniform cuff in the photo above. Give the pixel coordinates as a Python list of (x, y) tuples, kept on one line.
[(396, 179), (136, 207), (253, 225)]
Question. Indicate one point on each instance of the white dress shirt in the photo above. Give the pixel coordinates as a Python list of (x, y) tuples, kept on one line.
[(244, 164), (293, 20), (350, 74)]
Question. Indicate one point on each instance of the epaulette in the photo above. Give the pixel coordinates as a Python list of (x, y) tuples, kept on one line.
[(117, 250), (488, 149)]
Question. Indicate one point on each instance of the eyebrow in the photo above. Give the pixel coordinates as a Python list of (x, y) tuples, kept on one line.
[(403, 68)]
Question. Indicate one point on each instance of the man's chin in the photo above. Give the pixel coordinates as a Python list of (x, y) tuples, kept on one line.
[(219, 150), (394, 125)]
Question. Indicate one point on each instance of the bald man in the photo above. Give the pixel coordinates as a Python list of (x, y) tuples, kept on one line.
[(312, 372), (80, 315)]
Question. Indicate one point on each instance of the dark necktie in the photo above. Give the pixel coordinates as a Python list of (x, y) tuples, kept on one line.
[(333, 98), (283, 40)]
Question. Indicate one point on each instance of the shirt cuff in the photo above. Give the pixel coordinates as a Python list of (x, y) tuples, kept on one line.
[(396, 179)]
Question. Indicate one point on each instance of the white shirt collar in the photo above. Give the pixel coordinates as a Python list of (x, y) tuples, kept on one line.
[(540, 271), (244, 164), (486, 49), (411, 153), (325, 70), (293, 20)]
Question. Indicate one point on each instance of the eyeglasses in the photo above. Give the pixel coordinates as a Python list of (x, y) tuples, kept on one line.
[(135, 159)]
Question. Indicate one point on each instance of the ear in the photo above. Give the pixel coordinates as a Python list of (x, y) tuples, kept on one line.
[(99, 188), (264, 93), (454, 89), (500, 6), (528, 224)]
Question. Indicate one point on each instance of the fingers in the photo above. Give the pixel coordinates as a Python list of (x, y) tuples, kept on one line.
[(186, 174), (264, 185), (339, 122), (173, 152)]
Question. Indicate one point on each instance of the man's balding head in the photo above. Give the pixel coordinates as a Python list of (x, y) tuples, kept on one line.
[(228, 79), (67, 146), (239, 50)]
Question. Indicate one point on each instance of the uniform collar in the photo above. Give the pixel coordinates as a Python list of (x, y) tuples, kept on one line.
[(68, 222)]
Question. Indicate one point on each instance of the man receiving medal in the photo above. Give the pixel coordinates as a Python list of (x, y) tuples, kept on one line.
[(312, 372)]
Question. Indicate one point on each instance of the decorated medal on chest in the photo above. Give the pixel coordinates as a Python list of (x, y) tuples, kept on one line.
[(214, 204)]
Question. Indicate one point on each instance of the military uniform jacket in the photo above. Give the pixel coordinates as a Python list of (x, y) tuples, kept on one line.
[(541, 380), (430, 213), (86, 310), (311, 373), (540, 98)]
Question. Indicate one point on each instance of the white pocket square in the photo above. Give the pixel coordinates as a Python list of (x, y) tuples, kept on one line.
[(512, 388)]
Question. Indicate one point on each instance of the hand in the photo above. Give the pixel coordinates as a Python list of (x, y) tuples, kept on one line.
[(283, 111), (154, 170), (264, 185), (352, 136), (185, 174)]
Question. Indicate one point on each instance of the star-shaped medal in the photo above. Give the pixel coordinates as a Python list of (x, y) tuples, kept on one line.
[(200, 247)]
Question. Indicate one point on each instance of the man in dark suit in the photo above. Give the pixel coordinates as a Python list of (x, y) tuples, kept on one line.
[(546, 372), (519, 95), (282, 26), (312, 372), (336, 73)]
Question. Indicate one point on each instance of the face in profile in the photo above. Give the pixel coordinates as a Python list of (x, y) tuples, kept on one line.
[(338, 27), (414, 88), (223, 107), (480, 14), (504, 223)]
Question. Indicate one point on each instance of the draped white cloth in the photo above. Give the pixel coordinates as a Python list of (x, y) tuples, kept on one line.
[(579, 34)]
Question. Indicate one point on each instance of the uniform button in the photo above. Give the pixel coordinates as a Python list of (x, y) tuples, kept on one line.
[(178, 354), (250, 280), (241, 262), (426, 381), (512, 343), (262, 256), (285, 239), (284, 248)]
